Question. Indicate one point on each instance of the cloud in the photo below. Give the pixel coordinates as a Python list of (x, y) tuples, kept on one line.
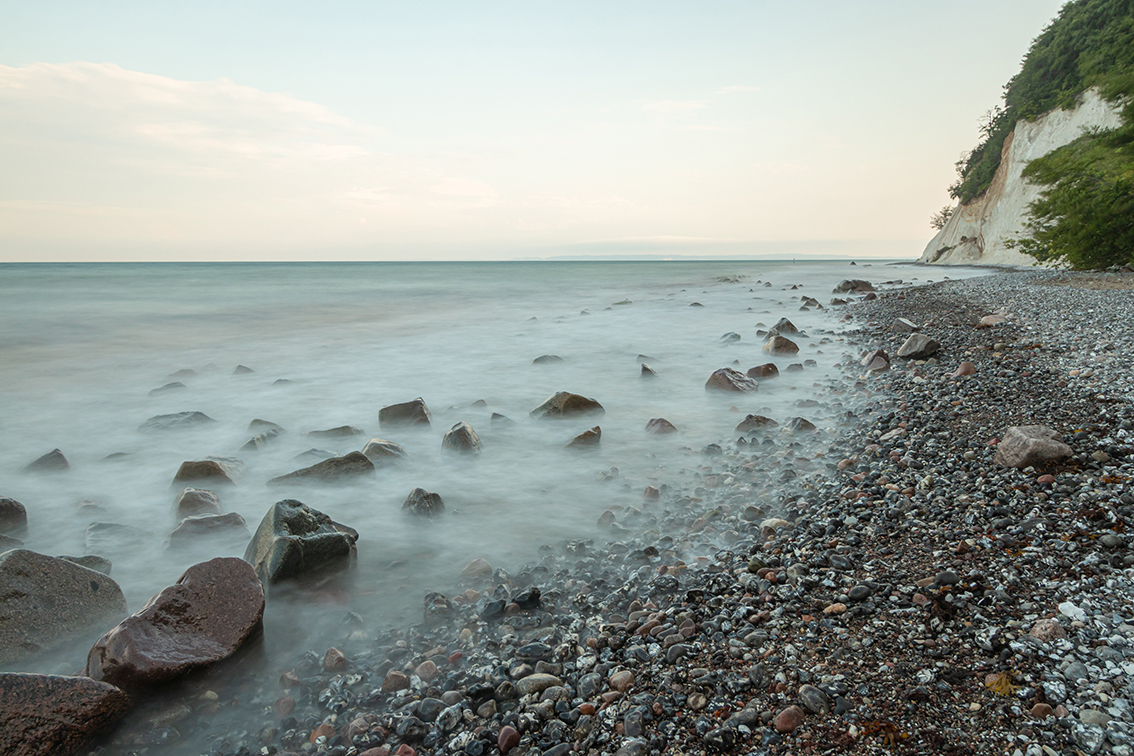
[(732, 88), (673, 106)]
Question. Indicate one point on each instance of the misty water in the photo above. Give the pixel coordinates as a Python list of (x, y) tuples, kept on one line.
[(83, 346)]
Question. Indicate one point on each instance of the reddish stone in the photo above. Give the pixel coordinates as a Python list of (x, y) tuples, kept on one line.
[(395, 681), (427, 670), (49, 715), (334, 660), (214, 608), (284, 706), (324, 730), (379, 751), (508, 739), (1045, 480), (405, 750), (455, 657), (651, 493), (1042, 711), (788, 719), (586, 708), (727, 379)]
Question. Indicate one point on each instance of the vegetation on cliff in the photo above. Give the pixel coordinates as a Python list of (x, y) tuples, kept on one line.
[(1085, 216)]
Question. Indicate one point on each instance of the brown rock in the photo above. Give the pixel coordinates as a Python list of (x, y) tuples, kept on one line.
[(622, 680), (760, 372), (395, 681), (659, 426), (587, 438), (475, 569), (461, 438), (965, 368), (45, 601), (901, 325), (203, 471), (801, 425), (427, 670), (334, 660), (508, 739), (284, 706), (1048, 630), (214, 608), (379, 751), (1030, 445), (325, 731), (788, 719), (50, 715), (727, 379), (196, 501), (406, 413), (1042, 711), (348, 467), (384, 453), (405, 749), (918, 347), (755, 422), (780, 345), (565, 404)]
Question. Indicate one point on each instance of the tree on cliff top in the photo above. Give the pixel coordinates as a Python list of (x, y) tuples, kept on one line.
[(1090, 43)]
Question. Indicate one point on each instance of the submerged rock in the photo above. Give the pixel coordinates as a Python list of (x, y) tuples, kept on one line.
[(566, 404), (461, 438), (780, 345), (13, 517), (406, 413), (294, 540), (174, 386), (384, 453), (52, 715), (213, 609), (727, 379), (648, 372), (784, 326), (229, 526), (111, 537), (659, 426), (335, 469), (587, 438), (547, 359), (754, 423), (423, 503), (263, 426), (343, 431), (175, 421), (214, 471), (45, 601), (258, 441), (196, 501), (767, 370), (53, 461), (501, 421)]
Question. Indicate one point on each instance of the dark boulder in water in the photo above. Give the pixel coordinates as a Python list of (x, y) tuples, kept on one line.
[(784, 326), (294, 541), (335, 469), (566, 404), (801, 425), (53, 461), (45, 601), (13, 517), (780, 345), (587, 438), (211, 471), (423, 503), (176, 421), (727, 379), (461, 438), (406, 413), (761, 372), (659, 426), (213, 609), (52, 715)]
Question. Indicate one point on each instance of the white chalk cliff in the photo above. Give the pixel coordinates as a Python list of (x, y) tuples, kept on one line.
[(977, 231)]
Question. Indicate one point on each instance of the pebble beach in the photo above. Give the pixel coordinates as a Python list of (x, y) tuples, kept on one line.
[(896, 590)]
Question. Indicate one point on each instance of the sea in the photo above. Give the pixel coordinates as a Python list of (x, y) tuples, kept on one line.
[(315, 346)]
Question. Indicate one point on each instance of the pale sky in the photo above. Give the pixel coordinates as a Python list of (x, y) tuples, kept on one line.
[(490, 130)]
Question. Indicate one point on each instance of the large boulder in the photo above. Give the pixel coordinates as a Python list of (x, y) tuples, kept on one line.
[(918, 347), (333, 470), (727, 379), (461, 438), (211, 471), (45, 601), (295, 541), (384, 453), (659, 426), (566, 404), (52, 715), (212, 610), (853, 285), (424, 503), (228, 527), (196, 501), (13, 517), (406, 413), (175, 421), (1029, 446), (53, 461), (780, 345), (590, 437)]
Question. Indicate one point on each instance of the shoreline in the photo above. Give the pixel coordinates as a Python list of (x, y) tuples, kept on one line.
[(862, 603)]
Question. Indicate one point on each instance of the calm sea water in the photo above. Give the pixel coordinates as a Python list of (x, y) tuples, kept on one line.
[(83, 345)]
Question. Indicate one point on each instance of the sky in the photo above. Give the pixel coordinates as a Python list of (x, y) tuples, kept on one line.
[(255, 130)]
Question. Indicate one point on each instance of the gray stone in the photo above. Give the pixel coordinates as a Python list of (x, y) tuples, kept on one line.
[(294, 541), (852, 285), (111, 537), (780, 345), (384, 453), (91, 562), (53, 461), (918, 347), (343, 431), (566, 404), (423, 503), (13, 517), (536, 683), (901, 325), (333, 470), (196, 501), (727, 379), (1029, 446), (230, 527), (406, 413), (814, 699), (175, 421), (211, 471), (461, 438), (46, 601)]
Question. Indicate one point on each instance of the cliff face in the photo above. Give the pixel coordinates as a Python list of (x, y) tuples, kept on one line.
[(976, 233)]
